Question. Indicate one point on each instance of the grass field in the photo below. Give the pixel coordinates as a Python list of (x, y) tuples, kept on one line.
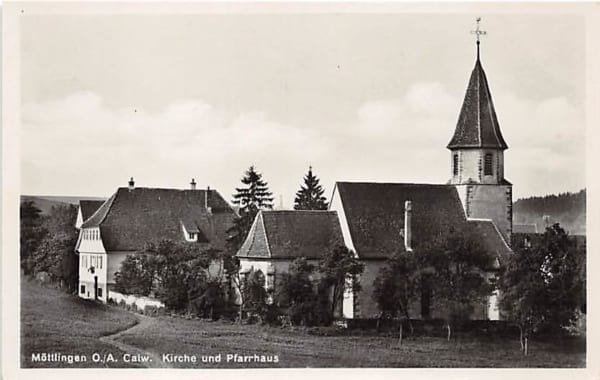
[(53, 321), (300, 349)]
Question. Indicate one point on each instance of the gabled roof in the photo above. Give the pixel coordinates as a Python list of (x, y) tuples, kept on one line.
[(292, 234), (477, 125), (524, 228), (88, 208), (131, 218), (375, 214)]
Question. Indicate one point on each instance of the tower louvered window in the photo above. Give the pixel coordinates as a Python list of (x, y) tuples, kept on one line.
[(488, 167), (455, 164)]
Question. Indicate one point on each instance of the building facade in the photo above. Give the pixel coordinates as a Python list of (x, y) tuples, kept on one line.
[(133, 217)]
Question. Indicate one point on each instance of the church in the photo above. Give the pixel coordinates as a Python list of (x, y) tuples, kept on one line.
[(376, 219)]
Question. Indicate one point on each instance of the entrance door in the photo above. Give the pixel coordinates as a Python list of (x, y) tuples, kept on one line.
[(96, 287)]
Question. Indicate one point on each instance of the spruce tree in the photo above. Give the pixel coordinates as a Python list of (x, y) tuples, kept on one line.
[(251, 198), (310, 196)]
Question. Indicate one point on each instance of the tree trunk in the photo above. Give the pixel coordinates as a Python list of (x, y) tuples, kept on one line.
[(521, 340), (410, 325), (449, 331), (400, 335), (526, 351)]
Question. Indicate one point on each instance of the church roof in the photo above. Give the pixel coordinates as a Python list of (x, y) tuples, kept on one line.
[(88, 208), (375, 217), (530, 228), (292, 234), (491, 239), (375, 214), (131, 218), (477, 125)]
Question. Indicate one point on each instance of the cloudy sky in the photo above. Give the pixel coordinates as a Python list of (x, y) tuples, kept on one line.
[(363, 97)]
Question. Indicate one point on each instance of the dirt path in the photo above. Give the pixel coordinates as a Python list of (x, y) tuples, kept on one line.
[(144, 323)]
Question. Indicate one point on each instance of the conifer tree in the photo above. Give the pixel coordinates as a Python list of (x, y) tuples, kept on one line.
[(251, 198), (310, 196)]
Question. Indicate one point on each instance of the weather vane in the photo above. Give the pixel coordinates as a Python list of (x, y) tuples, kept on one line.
[(478, 32)]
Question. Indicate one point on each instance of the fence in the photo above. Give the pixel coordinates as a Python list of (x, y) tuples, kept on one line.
[(140, 302)]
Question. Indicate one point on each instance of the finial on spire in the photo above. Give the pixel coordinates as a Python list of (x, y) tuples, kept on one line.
[(478, 32)]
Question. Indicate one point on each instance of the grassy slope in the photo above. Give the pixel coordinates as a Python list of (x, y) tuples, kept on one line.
[(299, 349), (55, 322)]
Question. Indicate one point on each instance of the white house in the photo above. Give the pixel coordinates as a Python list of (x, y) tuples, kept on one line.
[(132, 217)]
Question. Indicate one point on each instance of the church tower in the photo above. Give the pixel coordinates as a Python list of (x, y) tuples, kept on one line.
[(477, 155)]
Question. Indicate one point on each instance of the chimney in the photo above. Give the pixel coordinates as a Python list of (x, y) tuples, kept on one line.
[(407, 225), (131, 184), (193, 184), (209, 209)]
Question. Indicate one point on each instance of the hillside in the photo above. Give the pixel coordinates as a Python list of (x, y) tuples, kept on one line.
[(568, 209), (45, 203)]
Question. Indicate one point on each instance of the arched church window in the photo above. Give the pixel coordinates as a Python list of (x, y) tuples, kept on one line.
[(455, 164), (488, 167)]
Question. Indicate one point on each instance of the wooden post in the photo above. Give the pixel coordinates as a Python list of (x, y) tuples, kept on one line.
[(400, 334)]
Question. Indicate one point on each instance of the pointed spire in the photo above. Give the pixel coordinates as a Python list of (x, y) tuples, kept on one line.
[(478, 32), (477, 125)]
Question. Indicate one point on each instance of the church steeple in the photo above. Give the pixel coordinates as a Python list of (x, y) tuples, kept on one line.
[(477, 125), (477, 155), (477, 144)]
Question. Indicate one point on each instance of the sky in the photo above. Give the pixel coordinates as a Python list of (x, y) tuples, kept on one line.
[(360, 97)]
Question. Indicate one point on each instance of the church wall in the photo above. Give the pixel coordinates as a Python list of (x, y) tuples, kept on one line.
[(491, 202), (469, 165), (364, 304)]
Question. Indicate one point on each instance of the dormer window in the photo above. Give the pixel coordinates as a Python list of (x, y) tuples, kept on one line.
[(190, 231), (488, 165)]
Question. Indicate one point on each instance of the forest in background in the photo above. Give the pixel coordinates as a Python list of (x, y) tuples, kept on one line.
[(568, 209)]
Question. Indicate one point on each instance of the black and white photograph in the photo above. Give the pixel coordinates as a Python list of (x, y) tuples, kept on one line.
[(296, 185)]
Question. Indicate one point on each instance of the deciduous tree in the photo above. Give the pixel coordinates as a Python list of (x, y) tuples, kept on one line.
[(461, 267), (32, 233), (398, 285), (542, 286), (340, 270)]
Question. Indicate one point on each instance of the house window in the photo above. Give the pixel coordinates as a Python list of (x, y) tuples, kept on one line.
[(100, 262), (99, 292), (488, 167), (455, 164), (82, 290)]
